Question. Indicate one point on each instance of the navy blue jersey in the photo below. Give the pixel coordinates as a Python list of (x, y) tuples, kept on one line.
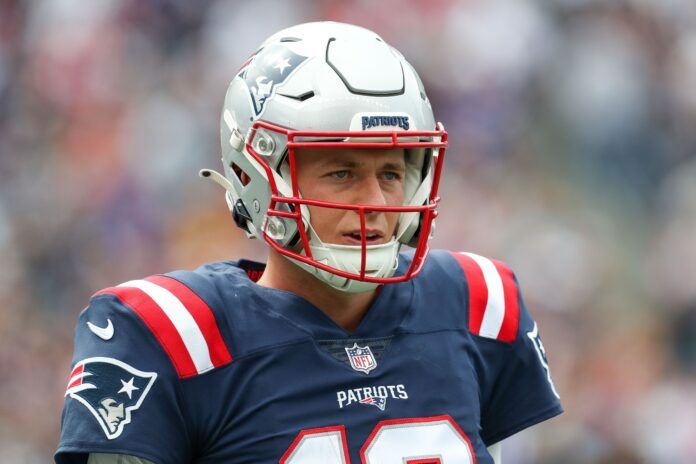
[(206, 366)]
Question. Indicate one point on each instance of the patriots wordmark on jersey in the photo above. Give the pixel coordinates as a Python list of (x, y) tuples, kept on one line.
[(208, 366)]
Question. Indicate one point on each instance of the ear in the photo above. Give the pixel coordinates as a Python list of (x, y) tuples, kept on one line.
[(241, 174)]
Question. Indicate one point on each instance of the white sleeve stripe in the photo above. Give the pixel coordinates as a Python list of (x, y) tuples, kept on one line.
[(494, 314), (182, 320)]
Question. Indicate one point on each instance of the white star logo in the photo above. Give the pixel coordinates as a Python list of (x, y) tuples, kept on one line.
[(282, 64), (128, 388)]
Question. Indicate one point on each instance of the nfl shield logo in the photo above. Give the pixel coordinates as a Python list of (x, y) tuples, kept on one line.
[(361, 358)]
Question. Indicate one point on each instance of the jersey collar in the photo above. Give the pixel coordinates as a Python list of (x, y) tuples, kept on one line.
[(382, 319)]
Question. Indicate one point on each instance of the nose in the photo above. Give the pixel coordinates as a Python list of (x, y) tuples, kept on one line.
[(370, 192)]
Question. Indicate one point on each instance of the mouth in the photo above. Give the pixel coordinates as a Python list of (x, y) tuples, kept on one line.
[(354, 237)]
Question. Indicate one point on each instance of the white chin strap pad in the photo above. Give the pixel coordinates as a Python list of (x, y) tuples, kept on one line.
[(381, 262)]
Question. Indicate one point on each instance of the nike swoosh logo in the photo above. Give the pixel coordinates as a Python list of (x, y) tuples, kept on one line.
[(105, 333)]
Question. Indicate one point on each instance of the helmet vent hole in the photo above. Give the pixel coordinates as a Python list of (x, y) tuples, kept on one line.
[(301, 97), (306, 96), (290, 39)]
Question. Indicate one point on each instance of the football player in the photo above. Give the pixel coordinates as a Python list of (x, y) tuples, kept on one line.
[(340, 348)]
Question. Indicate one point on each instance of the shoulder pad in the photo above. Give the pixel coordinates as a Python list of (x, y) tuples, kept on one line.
[(493, 297), (180, 320)]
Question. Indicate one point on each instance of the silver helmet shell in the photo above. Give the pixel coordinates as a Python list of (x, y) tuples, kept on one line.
[(324, 78)]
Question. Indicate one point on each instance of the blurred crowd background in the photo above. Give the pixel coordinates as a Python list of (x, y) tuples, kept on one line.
[(573, 158)]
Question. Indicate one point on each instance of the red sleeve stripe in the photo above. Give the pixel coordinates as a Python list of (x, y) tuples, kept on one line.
[(493, 306), (478, 292), (159, 324), (183, 328), (202, 314)]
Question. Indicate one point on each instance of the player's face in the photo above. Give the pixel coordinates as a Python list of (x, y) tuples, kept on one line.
[(356, 176)]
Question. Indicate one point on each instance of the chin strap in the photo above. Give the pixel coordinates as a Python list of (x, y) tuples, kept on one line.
[(382, 261)]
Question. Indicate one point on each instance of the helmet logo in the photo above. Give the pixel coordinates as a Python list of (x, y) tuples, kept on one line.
[(268, 68), (391, 121)]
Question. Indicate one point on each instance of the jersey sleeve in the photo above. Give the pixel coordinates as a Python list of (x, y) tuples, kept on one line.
[(123, 393), (516, 387)]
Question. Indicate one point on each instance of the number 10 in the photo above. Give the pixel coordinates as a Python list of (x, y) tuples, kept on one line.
[(422, 440)]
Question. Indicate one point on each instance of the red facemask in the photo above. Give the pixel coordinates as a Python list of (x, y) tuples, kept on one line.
[(374, 140)]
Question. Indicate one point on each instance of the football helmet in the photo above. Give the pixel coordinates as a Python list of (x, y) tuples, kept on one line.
[(328, 85)]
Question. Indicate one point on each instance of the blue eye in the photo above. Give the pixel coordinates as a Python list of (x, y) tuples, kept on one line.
[(339, 174), (391, 176)]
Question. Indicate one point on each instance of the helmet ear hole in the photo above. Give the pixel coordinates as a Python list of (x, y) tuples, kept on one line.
[(242, 176)]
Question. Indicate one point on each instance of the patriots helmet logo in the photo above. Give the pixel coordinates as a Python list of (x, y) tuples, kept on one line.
[(110, 389), (266, 70)]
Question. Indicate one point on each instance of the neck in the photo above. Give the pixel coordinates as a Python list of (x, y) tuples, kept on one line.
[(345, 309)]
